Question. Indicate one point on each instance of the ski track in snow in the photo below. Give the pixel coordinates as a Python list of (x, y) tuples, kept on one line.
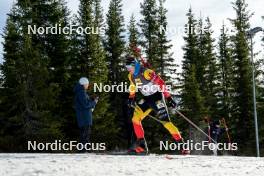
[(112, 165)]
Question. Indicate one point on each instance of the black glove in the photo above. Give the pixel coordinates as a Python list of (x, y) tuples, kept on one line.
[(171, 102), (95, 98), (131, 102)]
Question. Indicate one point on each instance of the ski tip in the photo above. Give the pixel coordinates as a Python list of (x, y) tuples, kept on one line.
[(168, 157)]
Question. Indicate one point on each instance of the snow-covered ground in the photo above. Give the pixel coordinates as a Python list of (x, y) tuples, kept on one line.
[(111, 165)]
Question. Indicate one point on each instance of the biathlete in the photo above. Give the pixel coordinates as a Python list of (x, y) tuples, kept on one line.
[(154, 92)]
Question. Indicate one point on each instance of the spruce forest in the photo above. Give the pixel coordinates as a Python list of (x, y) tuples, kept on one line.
[(38, 73)]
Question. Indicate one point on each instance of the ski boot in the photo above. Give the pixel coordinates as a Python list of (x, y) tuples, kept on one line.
[(139, 147), (185, 152)]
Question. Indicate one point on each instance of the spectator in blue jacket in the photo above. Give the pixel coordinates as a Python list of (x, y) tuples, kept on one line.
[(84, 106), (215, 132)]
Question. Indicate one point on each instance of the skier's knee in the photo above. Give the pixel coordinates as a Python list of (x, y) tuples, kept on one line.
[(139, 115), (164, 116)]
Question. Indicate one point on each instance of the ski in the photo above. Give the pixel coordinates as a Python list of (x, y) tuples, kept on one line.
[(166, 156), (126, 153), (173, 157)]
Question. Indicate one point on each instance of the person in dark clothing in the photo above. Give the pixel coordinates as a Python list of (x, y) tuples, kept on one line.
[(216, 131), (84, 106)]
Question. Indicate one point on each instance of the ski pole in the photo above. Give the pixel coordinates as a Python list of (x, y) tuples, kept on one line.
[(228, 136), (194, 125)]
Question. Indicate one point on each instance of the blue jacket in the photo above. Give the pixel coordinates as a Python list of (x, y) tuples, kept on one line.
[(215, 130), (83, 106)]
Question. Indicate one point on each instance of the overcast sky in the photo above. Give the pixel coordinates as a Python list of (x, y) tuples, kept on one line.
[(217, 10)]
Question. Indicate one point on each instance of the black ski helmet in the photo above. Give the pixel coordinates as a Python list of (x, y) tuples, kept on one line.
[(130, 60)]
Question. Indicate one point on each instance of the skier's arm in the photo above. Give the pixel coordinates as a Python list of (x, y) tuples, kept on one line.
[(84, 101), (156, 79)]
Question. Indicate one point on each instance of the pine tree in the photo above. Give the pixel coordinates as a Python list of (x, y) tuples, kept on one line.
[(85, 19), (192, 102), (149, 31), (202, 62), (115, 47), (226, 67), (98, 17), (114, 43), (166, 68), (27, 99), (103, 109), (133, 35), (98, 13), (206, 67), (191, 96), (210, 76), (243, 86), (54, 48)]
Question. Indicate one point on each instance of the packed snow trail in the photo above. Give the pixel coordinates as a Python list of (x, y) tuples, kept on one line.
[(113, 165)]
